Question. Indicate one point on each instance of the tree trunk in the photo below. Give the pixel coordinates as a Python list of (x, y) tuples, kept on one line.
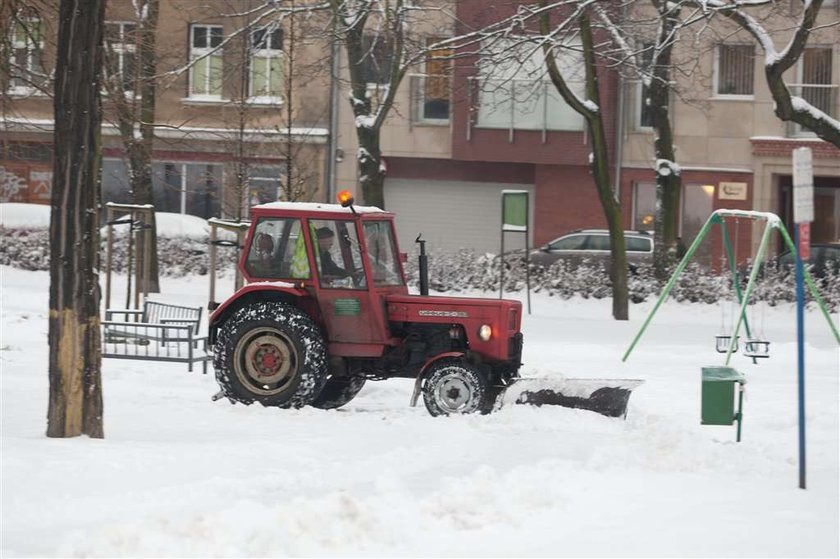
[(142, 151), (75, 399), (601, 174), (600, 156), (369, 157), (668, 179)]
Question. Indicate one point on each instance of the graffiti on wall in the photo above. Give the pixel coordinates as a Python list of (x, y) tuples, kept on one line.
[(22, 184)]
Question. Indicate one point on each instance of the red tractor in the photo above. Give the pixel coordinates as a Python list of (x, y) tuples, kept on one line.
[(326, 308)]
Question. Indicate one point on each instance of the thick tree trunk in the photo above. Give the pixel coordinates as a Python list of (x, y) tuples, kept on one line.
[(367, 121), (601, 174), (75, 399), (668, 179), (591, 111)]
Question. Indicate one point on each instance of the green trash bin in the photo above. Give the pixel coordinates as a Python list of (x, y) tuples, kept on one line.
[(717, 401)]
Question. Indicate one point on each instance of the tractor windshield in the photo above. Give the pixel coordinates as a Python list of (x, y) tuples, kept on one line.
[(274, 248), (382, 253)]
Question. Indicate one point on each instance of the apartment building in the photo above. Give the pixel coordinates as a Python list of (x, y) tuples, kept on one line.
[(462, 134), (241, 105)]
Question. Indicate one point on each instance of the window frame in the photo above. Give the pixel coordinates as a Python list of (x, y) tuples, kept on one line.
[(716, 75), (120, 49), (31, 48), (204, 55), (269, 53)]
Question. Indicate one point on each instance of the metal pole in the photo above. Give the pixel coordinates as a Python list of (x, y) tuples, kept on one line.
[(800, 361), (238, 279), (212, 270), (528, 250), (502, 253), (109, 257), (809, 281)]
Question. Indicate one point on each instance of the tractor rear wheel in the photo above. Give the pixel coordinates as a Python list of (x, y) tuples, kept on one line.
[(454, 387), (271, 353), (338, 391)]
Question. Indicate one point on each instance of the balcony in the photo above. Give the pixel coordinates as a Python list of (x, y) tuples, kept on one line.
[(821, 96), (519, 104)]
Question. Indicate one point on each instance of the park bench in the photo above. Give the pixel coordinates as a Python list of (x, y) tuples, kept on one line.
[(157, 332)]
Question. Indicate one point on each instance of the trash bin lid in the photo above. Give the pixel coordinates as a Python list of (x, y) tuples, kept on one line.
[(722, 374)]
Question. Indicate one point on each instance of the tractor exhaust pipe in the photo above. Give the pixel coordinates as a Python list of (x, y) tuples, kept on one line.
[(424, 266)]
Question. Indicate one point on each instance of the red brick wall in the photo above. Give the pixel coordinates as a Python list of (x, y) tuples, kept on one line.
[(565, 199)]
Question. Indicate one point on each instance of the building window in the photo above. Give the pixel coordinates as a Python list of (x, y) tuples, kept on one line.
[(120, 55), (206, 72), (27, 73), (376, 59), (516, 93), (696, 205), (815, 85), (436, 84), (266, 65), (643, 114), (263, 184), (735, 68), (188, 188)]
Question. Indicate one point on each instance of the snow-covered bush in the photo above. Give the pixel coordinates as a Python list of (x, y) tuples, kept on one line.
[(466, 270), (28, 249)]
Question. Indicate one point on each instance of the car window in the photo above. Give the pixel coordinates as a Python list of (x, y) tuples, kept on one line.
[(638, 244), (597, 242), (572, 242)]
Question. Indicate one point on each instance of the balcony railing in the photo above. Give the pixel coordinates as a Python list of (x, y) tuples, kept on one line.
[(821, 96), (519, 104), (430, 99)]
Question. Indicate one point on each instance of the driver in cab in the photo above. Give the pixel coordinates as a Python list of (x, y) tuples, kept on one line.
[(329, 269)]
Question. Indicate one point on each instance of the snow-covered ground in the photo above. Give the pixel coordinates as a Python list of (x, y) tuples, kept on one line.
[(179, 475)]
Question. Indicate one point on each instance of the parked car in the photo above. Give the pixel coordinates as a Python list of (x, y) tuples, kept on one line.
[(593, 245), (824, 257)]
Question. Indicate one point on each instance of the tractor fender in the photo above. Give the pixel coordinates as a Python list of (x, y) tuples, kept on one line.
[(259, 291), (429, 362)]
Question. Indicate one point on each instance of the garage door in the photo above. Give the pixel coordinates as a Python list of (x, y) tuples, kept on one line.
[(452, 214)]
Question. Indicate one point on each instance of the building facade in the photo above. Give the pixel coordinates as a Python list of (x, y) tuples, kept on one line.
[(462, 134), (240, 116)]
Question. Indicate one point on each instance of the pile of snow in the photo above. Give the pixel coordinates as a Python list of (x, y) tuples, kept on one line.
[(179, 475), (37, 216), (24, 216)]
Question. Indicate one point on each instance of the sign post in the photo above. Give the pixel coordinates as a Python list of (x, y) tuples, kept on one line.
[(803, 215), (515, 220)]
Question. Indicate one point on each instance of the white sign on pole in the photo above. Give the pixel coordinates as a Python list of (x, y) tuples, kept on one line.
[(803, 186)]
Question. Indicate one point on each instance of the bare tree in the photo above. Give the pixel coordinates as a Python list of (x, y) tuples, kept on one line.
[(131, 96), (590, 109), (75, 402), (789, 108), (648, 55)]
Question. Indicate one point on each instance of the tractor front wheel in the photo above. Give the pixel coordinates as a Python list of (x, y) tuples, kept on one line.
[(454, 387), (271, 353)]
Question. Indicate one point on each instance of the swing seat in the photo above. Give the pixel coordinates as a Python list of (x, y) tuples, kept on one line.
[(722, 342), (757, 348)]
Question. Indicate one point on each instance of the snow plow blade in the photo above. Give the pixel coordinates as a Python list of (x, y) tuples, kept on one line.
[(605, 396)]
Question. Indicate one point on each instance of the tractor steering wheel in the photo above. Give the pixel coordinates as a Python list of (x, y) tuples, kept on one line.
[(358, 276)]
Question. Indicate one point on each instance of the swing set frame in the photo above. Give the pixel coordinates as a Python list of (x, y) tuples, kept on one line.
[(717, 218)]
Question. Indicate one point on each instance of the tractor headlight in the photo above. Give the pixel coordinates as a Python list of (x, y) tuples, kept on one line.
[(485, 332)]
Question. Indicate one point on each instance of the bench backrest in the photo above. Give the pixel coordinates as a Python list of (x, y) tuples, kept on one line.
[(154, 312)]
